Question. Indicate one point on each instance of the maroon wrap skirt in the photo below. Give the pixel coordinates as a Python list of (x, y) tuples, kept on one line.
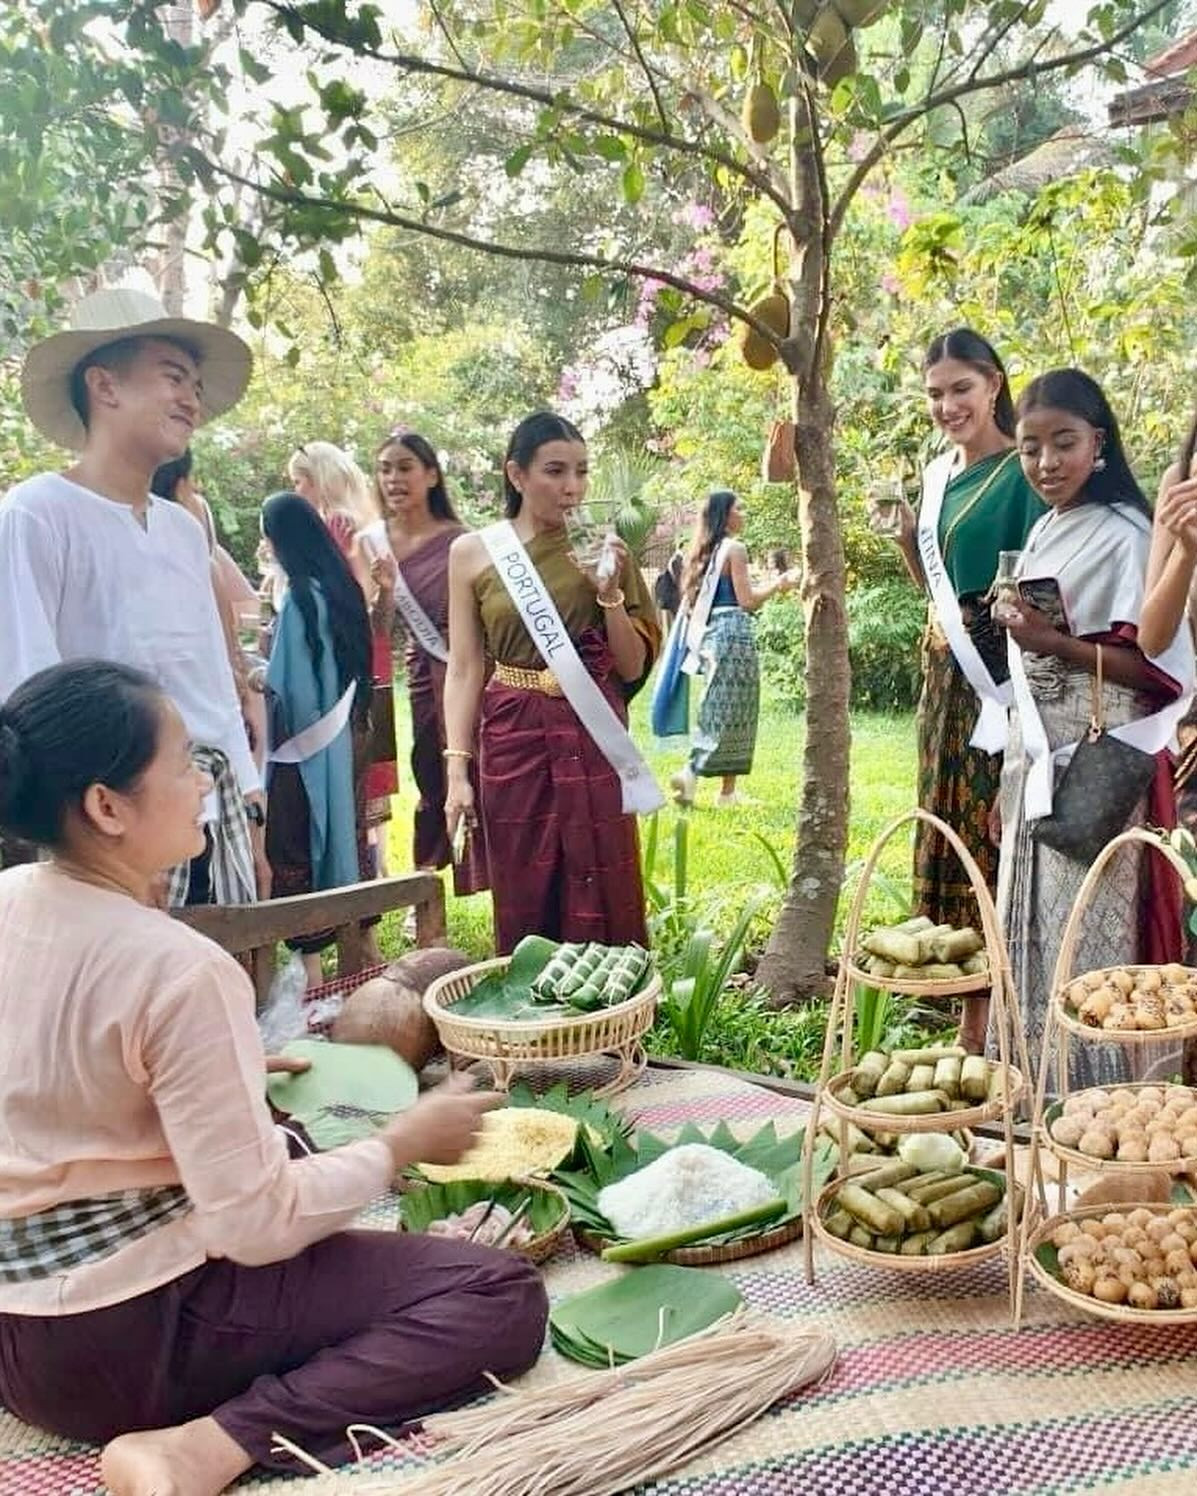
[(564, 858)]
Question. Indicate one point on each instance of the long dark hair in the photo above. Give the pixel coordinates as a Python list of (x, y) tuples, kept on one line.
[(526, 440), (969, 347), (1080, 395), (712, 528), (440, 506), (66, 728), (308, 554)]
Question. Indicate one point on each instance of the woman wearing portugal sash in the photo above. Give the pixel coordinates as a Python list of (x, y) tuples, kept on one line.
[(985, 505), (564, 856), (408, 551)]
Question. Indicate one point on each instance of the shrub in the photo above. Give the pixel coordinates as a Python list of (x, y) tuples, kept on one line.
[(885, 623)]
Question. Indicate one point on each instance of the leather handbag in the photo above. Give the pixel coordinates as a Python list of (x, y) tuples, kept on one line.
[(1104, 781)]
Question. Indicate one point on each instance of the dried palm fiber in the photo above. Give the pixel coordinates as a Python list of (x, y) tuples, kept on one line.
[(671, 1405)]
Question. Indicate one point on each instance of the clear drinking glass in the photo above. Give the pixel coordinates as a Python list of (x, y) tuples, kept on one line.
[(1005, 587), (885, 507), (588, 526)]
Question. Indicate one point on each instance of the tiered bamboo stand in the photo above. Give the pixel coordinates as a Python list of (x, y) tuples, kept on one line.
[(1005, 1029), (1060, 1028)]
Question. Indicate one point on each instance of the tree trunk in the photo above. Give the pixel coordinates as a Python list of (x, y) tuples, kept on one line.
[(793, 965)]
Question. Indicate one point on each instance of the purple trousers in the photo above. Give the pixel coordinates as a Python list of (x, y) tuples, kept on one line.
[(364, 1327)]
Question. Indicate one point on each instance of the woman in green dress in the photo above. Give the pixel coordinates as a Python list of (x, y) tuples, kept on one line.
[(976, 503)]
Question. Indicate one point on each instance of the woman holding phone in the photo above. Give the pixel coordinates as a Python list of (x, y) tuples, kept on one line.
[(1086, 561), (408, 553)]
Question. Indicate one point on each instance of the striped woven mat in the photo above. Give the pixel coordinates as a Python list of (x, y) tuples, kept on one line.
[(934, 1394)]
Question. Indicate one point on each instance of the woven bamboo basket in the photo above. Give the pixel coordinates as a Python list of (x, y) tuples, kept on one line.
[(923, 1121), (1086, 1161), (894, 1261), (1067, 1018), (698, 1256), (912, 987), (1120, 1313), (541, 1247), (508, 1046)]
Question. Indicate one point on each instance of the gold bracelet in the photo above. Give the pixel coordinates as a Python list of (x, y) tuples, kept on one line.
[(456, 753), (615, 602)]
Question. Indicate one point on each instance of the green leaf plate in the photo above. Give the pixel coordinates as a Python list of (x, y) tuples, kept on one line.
[(639, 1312), (779, 1158), (348, 1093)]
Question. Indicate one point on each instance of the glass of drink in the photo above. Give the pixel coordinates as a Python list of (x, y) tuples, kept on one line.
[(1005, 587), (588, 526), (885, 508)]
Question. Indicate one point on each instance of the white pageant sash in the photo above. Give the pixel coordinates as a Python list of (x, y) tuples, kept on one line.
[(320, 735), (1150, 734), (700, 615), (990, 731), (539, 615), (426, 634)]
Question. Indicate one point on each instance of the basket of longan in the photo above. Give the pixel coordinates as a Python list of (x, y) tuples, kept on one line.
[(1137, 1263)]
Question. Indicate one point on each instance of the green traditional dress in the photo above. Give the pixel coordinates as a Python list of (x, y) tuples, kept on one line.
[(987, 508)]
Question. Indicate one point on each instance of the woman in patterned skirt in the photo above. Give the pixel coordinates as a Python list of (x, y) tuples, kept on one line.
[(724, 738), (985, 506)]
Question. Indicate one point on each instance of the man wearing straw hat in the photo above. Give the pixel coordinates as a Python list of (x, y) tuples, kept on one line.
[(91, 564)]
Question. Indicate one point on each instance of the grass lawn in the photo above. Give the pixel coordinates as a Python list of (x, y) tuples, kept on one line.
[(725, 859)]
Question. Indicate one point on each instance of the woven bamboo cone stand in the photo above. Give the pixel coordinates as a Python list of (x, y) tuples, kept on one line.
[(1056, 1035), (1004, 1025)]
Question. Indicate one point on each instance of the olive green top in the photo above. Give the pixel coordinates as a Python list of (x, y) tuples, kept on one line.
[(508, 640), (987, 508)]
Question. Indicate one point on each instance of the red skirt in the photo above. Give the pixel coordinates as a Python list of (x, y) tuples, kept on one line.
[(564, 858), (382, 775)]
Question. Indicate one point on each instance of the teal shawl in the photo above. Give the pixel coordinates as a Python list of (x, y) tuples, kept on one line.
[(303, 698)]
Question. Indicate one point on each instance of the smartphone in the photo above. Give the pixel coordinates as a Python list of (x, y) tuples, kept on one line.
[(1043, 593)]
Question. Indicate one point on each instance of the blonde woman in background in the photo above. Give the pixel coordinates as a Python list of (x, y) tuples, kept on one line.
[(336, 487)]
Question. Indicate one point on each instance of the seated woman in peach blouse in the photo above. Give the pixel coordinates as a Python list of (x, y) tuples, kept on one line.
[(172, 1283)]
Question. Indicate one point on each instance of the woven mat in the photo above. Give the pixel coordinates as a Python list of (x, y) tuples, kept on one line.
[(933, 1394)]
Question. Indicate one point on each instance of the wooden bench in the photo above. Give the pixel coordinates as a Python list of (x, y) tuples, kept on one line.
[(254, 930)]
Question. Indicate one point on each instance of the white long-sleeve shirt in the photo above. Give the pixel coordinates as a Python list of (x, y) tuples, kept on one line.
[(81, 577)]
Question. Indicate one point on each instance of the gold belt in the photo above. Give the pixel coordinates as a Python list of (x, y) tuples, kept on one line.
[(519, 679)]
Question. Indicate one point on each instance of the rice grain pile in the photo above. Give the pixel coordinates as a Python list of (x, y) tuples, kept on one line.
[(685, 1187)]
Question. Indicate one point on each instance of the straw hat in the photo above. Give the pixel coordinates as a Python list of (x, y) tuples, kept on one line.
[(106, 317)]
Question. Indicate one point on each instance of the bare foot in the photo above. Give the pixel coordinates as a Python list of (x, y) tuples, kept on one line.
[(193, 1459)]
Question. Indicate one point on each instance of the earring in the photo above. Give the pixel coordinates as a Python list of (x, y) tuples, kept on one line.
[(1099, 464)]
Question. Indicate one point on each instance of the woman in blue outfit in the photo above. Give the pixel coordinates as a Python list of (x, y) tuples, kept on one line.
[(319, 686), (717, 597)]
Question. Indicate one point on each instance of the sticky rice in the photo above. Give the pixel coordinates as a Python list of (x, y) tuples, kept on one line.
[(688, 1186)]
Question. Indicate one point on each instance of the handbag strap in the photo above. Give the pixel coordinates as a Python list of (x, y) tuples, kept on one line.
[(1097, 719)]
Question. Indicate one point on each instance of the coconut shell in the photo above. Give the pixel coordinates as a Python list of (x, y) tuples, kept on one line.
[(418, 969), (384, 1012)]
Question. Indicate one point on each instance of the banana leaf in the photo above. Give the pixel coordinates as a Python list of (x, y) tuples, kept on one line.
[(348, 1092), (778, 1158), (419, 1208), (638, 1312), (507, 995)]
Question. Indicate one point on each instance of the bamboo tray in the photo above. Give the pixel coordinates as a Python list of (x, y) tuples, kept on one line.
[(1086, 1161), (894, 1261), (911, 987), (1117, 1312), (1067, 1018), (924, 1121), (542, 1246), (700, 1256), (508, 1045)]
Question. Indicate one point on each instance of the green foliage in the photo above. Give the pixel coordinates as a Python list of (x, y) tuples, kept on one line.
[(885, 624)]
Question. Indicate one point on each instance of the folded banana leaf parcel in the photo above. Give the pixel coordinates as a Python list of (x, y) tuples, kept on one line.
[(640, 1312), (546, 980)]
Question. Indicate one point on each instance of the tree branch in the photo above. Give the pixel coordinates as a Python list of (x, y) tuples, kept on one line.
[(445, 32), (715, 112), (630, 32), (972, 85), (288, 197), (545, 98)]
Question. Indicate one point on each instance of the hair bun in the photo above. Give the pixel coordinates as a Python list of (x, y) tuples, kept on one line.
[(14, 768)]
